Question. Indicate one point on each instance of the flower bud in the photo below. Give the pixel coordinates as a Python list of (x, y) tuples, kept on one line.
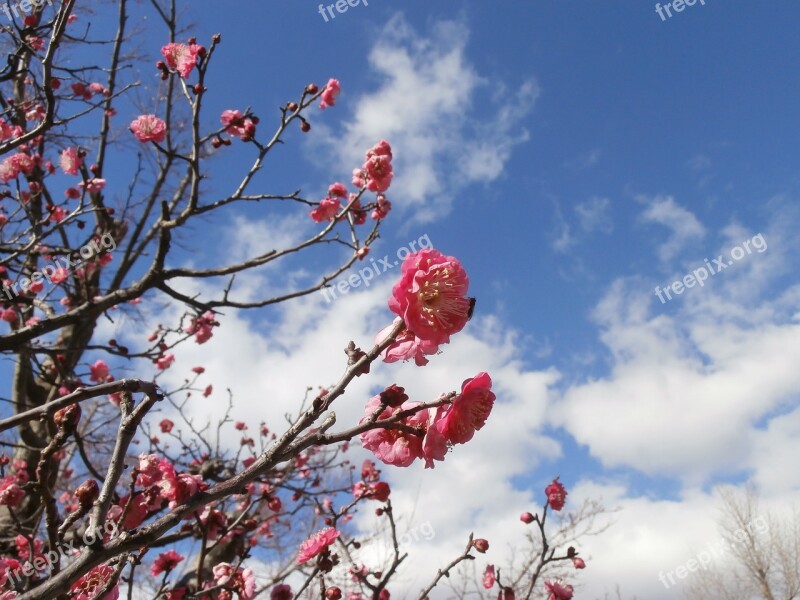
[(527, 517), (312, 88), (292, 107), (216, 38), (333, 593), (305, 127), (394, 396), (67, 418), (87, 493), (578, 562), (481, 545)]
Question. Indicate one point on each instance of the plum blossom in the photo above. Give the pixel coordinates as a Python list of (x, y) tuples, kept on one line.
[(242, 581), (468, 412), (406, 346), (488, 577), (394, 446), (201, 327), (557, 589), (327, 210), (99, 371), (316, 544), (181, 57), (10, 493), (238, 125), (166, 425), (329, 94), (431, 295), (149, 128), (165, 361), (87, 587), (376, 172), (165, 562), (70, 161), (556, 495)]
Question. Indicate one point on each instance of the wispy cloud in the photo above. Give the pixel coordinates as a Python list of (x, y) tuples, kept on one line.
[(430, 104), (683, 225)]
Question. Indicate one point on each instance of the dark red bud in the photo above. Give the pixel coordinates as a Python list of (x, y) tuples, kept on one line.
[(333, 593), (87, 493), (67, 418)]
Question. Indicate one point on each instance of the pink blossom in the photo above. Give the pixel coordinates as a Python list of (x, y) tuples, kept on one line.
[(179, 487), (165, 361), (181, 57), (87, 587), (394, 446), (557, 589), (149, 128), (10, 493), (201, 327), (9, 315), (242, 581), (150, 471), (488, 577), (98, 371), (329, 94), (337, 190), (468, 412), (165, 562), (316, 544), (238, 125), (406, 346), (166, 425), (93, 185), (431, 295), (578, 562), (214, 520), (59, 275), (327, 210), (556, 495), (382, 209), (57, 214), (70, 161), (379, 173)]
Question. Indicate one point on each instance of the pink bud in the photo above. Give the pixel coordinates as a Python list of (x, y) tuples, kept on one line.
[(527, 517)]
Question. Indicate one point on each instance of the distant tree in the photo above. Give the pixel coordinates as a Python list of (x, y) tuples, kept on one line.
[(762, 557)]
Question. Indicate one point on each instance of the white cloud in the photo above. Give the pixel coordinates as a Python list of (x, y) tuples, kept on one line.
[(683, 225), (445, 135), (593, 215)]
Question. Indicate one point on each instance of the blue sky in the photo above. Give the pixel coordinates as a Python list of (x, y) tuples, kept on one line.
[(574, 155)]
